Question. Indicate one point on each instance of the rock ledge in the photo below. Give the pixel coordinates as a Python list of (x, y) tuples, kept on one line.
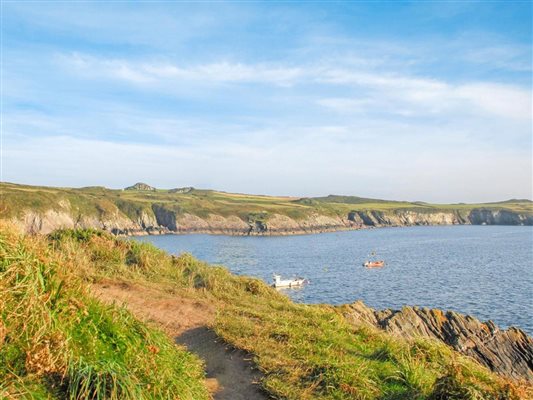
[(506, 352)]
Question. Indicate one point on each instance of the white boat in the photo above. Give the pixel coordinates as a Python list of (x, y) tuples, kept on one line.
[(293, 282)]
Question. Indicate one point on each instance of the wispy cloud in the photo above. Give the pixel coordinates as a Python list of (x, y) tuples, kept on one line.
[(154, 72), (386, 92), (512, 58), (284, 99)]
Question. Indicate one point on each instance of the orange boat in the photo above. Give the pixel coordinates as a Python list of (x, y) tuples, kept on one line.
[(374, 264)]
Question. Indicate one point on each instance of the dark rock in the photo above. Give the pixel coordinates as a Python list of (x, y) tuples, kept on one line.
[(165, 218), (506, 352)]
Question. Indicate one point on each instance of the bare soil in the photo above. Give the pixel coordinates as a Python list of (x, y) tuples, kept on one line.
[(231, 373)]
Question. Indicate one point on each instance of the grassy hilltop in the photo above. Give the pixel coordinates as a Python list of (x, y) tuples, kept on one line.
[(58, 341), (159, 206)]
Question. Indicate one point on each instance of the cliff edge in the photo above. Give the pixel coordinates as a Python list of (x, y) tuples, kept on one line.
[(143, 209), (507, 352)]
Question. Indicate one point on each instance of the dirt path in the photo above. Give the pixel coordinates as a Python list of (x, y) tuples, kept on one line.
[(231, 374)]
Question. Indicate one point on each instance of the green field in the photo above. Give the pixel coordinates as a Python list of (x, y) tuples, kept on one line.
[(99, 202)]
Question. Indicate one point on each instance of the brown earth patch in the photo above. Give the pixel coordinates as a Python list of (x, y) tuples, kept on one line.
[(231, 373)]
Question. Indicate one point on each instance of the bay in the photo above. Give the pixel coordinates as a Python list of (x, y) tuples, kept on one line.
[(484, 271)]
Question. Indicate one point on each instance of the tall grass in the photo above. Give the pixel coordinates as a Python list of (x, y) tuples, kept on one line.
[(56, 341)]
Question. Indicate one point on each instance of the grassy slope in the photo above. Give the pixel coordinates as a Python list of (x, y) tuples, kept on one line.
[(56, 341), (98, 201), (305, 351)]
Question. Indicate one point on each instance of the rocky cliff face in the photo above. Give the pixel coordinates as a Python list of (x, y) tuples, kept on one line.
[(507, 352), (405, 218), (51, 220), (161, 218), (499, 217)]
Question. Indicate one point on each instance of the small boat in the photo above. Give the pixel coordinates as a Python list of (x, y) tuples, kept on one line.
[(293, 282), (374, 264)]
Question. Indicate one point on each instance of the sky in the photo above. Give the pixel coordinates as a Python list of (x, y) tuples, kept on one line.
[(414, 100)]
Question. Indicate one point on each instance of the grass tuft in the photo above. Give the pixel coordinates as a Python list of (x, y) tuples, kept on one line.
[(56, 341)]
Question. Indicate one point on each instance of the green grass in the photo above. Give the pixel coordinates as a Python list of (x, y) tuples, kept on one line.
[(57, 341), (101, 203), (312, 352), (304, 351)]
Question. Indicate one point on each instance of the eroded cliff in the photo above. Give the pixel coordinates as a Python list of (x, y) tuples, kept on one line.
[(142, 209), (160, 219)]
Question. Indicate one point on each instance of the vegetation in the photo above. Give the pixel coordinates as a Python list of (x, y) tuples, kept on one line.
[(132, 203), (304, 351), (56, 341)]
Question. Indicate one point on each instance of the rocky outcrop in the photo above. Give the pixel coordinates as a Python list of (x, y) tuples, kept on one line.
[(483, 216), (51, 220), (182, 190), (165, 217), (507, 352), (141, 186), (405, 218)]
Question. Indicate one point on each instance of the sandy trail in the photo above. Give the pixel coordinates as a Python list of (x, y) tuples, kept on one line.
[(231, 374)]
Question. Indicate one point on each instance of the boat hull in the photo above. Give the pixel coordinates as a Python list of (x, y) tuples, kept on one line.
[(374, 264), (289, 283)]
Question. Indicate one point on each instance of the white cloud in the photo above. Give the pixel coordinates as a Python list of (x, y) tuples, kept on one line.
[(151, 72), (503, 100), (407, 96), (378, 92), (209, 99)]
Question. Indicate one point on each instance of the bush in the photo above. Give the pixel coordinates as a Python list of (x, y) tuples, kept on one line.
[(79, 235)]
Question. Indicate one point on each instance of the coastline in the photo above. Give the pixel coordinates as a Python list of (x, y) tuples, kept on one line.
[(140, 212), (335, 263), (268, 233)]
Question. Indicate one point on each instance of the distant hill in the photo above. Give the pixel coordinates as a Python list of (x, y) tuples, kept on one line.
[(334, 198), (142, 209)]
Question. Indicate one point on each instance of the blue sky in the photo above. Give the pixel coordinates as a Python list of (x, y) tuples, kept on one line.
[(423, 100)]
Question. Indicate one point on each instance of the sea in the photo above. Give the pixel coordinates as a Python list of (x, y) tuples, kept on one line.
[(483, 271)]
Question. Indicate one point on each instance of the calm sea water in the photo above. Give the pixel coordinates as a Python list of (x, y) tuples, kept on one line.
[(484, 271)]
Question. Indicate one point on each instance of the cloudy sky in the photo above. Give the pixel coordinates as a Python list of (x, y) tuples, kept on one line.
[(421, 100)]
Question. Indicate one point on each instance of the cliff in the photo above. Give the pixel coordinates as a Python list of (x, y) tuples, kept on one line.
[(161, 220), (144, 210), (506, 352)]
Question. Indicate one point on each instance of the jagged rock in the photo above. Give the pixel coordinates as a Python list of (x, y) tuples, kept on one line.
[(507, 352), (140, 186), (182, 190), (165, 217)]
